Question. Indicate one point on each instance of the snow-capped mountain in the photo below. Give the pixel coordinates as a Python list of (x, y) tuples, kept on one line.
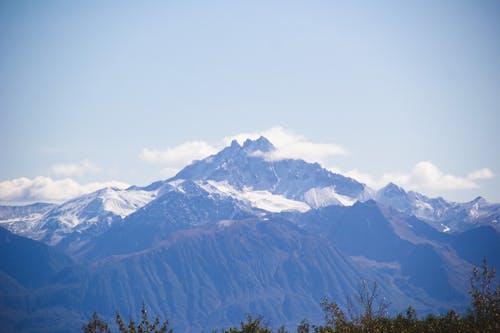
[(439, 213), (245, 168), (100, 208), (33, 211), (19, 219)]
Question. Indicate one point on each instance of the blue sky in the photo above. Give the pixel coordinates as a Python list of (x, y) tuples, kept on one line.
[(99, 91)]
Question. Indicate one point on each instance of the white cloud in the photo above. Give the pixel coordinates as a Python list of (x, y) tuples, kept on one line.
[(484, 173), (45, 189), (424, 176), (291, 145), (427, 175), (366, 178), (180, 155), (73, 169)]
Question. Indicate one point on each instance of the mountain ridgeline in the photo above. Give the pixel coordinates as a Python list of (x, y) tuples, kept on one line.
[(235, 233)]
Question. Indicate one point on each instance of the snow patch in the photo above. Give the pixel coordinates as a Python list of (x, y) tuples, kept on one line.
[(177, 185), (320, 197), (124, 203), (445, 228), (225, 223), (423, 206)]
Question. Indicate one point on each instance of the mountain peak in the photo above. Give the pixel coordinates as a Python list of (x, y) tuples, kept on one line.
[(479, 200), (392, 189), (261, 144)]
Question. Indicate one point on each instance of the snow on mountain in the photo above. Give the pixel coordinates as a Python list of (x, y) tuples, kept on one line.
[(20, 218), (88, 207), (124, 203), (259, 199), (321, 197), (242, 171), (13, 213)]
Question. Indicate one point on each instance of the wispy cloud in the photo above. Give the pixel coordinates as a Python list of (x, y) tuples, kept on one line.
[(427, 175), (73, 169), (484, 173), (46, 189), (291, 145), (424, 175)]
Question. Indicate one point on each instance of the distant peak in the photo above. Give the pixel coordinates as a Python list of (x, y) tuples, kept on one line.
[(392, 189), (261, 144), (394, 186), (479, 200)]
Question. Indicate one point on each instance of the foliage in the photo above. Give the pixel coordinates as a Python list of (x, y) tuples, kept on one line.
[(369, 310), (250, 326), (96, 325), (485, 312)]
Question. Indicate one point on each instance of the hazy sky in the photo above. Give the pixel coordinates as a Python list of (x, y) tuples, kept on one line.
[(404, 91)]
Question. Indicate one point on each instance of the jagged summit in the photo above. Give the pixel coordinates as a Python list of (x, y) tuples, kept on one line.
[(249, 147), (246, 168), (261, 144)]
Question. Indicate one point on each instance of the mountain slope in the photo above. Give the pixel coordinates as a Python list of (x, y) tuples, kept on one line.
[(365, 232), (179, 205), (211, 276), (29, 262)]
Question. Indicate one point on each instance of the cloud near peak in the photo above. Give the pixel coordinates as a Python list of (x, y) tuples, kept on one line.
[(291, 145), (287, 144)]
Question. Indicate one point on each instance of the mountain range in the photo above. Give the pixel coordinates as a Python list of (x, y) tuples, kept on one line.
[(235, 233)]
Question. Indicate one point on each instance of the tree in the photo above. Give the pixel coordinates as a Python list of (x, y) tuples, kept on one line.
[(96, 325), (303, 327), (367, 313), (250, 326), (145, 326), (485, 312)]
